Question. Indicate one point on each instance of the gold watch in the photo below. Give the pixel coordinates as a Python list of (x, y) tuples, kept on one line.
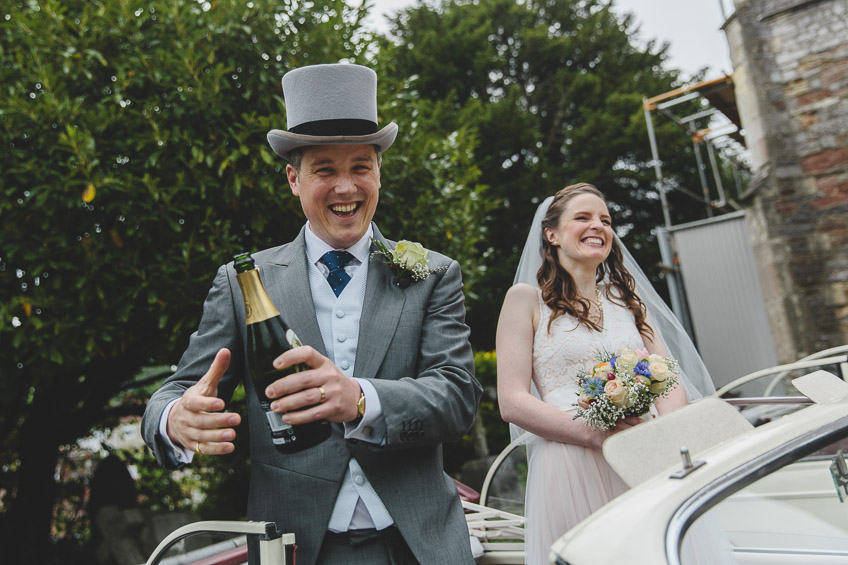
[(360, 405)]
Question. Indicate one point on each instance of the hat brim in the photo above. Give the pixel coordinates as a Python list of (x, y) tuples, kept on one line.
[(283, 142)]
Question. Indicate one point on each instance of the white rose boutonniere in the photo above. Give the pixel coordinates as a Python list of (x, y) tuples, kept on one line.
[(411, 255), (408, 261)]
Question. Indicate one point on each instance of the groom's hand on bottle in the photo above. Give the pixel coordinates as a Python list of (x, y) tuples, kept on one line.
[(197, 421), (299, 395)]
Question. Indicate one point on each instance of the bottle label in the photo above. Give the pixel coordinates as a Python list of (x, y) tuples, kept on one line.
[(280, 431), (292, 338)]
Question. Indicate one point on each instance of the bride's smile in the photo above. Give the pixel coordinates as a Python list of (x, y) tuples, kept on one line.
[(592, 240)]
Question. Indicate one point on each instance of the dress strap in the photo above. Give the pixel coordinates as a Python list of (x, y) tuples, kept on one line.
[(544, 311)]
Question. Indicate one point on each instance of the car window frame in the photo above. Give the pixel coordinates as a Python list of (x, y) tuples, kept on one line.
[(742, 476)]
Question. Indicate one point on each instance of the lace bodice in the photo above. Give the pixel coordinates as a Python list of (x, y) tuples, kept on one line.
[(561, 356)]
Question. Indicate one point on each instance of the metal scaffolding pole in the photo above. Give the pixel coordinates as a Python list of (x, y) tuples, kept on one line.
[(649, 120), (716, 173), (701, 175)]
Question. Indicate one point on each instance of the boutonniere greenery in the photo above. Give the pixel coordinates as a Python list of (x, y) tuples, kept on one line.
[(408, 261)]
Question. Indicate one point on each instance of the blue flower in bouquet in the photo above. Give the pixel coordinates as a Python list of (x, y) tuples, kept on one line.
[(593, 387), (641, 368)]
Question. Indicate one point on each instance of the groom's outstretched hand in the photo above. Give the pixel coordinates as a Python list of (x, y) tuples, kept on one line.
[(322, 392), (197, 422)]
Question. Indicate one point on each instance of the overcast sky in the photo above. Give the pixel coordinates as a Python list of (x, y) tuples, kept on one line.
[(692, 27)]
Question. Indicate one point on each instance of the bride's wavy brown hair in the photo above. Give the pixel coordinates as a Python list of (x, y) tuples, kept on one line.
[(558, 289)]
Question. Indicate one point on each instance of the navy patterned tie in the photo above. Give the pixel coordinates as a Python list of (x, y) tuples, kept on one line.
[(336, 261)]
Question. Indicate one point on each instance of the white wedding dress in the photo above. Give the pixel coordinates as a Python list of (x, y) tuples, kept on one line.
[(566, 482)]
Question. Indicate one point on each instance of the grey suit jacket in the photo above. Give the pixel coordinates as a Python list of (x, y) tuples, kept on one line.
[(413, 345)]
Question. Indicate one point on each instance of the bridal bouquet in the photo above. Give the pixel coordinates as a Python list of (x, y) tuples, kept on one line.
[(623, 384)]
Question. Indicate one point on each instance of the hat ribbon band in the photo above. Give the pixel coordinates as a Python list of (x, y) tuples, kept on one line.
[(335, 127)]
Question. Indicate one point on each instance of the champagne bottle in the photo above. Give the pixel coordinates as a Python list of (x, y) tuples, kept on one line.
[(268, 336)]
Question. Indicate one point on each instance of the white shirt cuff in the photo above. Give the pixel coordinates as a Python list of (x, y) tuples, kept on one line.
[(372, 427), (181, 454)]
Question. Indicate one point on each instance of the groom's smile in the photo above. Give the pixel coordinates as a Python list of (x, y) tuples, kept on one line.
[(344, 210)]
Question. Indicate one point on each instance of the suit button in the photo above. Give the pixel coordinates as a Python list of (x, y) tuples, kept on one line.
[(345, 365), (359, 479), (339, 313), (341, 338)]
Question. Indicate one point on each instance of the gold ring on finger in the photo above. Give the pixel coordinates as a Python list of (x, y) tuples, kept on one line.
[(323, 394), (197, 448)]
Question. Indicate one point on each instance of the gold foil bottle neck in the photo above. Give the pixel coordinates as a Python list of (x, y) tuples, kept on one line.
[(257, 303)]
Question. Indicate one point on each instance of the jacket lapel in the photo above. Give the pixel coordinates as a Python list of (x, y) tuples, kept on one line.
[(287, 277), (381, 313)]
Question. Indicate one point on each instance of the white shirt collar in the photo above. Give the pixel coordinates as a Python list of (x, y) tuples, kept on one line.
[(316, 247)]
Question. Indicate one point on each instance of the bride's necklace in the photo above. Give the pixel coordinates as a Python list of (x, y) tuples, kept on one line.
[(600, 316)]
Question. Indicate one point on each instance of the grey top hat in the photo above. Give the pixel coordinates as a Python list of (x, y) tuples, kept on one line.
[(330, 104)]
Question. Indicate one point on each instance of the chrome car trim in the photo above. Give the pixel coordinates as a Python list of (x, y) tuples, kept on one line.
[(807, 552), (751, 401)]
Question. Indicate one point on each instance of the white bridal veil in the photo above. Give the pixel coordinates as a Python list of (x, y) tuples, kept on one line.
[(693, 374)]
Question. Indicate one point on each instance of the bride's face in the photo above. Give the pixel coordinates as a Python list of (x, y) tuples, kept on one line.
[(584, 234)]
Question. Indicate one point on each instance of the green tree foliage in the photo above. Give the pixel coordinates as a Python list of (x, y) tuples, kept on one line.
[(497, 432), (430, 180), (553, 91), (133, 162)]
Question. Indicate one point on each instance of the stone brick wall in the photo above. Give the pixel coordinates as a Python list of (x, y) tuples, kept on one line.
[(790, 60)]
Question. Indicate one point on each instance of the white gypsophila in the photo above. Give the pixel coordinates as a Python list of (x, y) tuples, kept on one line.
[(408, 261), (420, 272), (601, 415)]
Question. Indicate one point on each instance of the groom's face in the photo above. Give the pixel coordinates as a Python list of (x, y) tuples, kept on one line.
[(338, 187)]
